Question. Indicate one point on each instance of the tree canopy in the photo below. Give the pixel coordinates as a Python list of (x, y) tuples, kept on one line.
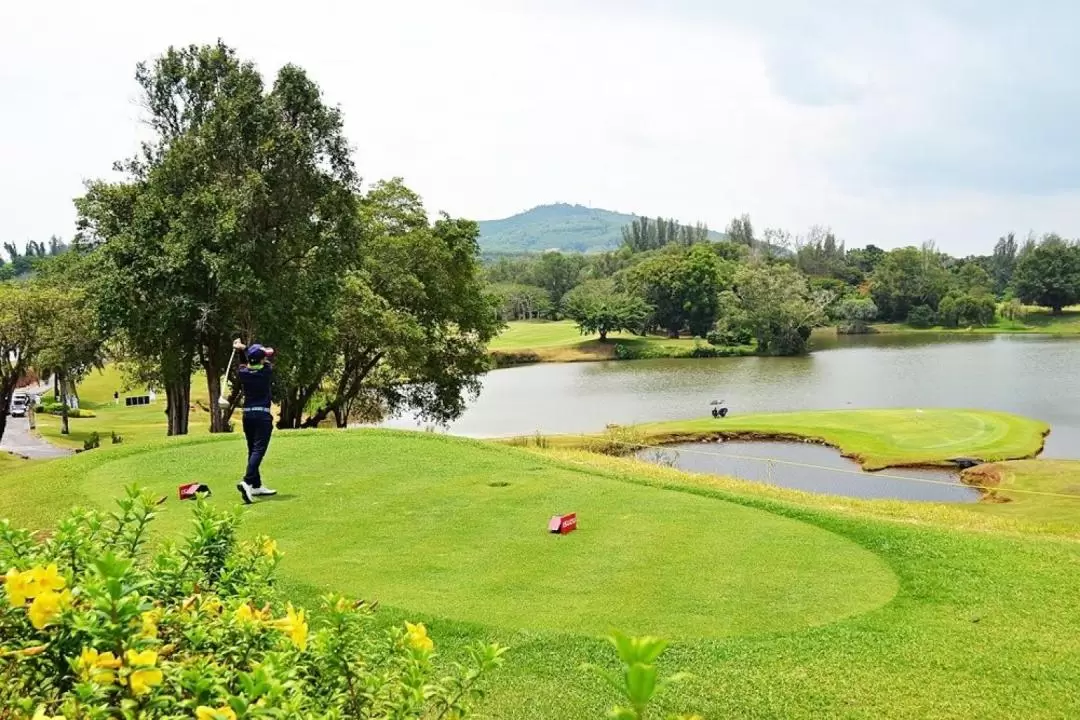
[(1048, 274), (599, 308)]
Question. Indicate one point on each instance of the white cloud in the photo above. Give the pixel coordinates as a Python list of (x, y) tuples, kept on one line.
[(892, 123)]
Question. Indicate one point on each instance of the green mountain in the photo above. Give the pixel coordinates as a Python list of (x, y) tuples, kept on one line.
[(573, 228)]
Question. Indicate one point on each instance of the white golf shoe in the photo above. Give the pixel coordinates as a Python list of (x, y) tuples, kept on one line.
[(263, 491)]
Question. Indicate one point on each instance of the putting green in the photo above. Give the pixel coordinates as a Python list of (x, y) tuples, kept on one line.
[(457, 529), (880, 438)]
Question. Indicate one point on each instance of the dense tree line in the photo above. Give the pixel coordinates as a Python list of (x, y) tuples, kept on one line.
[(774, 289)]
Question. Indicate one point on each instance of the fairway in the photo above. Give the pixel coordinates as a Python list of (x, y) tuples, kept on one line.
[(882, 438), (529, 335)]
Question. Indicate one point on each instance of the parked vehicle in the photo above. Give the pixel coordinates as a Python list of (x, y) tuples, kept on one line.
[(19, 404)]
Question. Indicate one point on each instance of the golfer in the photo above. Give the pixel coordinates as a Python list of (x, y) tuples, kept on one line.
[(256, 377)]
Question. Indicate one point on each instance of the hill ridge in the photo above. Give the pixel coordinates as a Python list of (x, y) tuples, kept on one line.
[(569, 227)]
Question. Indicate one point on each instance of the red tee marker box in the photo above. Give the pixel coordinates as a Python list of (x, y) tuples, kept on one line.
[(191, 490), (563, 524)]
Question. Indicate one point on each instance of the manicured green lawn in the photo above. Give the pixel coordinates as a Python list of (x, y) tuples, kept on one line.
[(543, 341), (779, 609), (527, 335), (134, 424), (881, 438)]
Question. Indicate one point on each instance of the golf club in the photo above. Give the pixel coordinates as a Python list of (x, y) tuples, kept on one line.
[(223, 402)]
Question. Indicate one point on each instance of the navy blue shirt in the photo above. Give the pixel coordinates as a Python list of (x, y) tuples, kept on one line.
[(256, 380)]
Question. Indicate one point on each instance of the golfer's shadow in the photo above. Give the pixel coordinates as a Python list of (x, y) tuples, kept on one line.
[(280, 497)]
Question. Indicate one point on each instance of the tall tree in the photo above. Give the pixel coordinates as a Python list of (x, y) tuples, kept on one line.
[(29, 312), (74, 346), (1048, 274), (682, 286), (598, 309), (780, 307), (411, 330), (1003, 262), (557, 273), (741, 231), (906, 278), (248, 197)]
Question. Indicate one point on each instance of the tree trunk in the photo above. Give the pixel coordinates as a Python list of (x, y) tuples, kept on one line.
[(4, 418), (1055, 310), (65, 429), (341, 418), (177, 405), (218, 422), (603, 336), (291, 412), (219, 418)]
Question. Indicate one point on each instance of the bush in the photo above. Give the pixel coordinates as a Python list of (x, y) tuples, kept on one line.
[(116, 439), (51, 407), (94, 627), (93, 442), (957, 310), (728, 336), (1013, 310), (854, 315), (921, 316)]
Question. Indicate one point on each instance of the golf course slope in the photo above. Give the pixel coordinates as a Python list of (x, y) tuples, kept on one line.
[(777, 609), (880, 438)]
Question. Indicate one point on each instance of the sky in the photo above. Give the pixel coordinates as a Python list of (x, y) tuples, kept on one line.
[(890, 122)]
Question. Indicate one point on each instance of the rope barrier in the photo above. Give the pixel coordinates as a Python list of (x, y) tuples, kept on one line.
[(794, 463)]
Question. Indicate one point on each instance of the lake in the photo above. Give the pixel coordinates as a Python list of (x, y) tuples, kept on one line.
[(1025, 374)]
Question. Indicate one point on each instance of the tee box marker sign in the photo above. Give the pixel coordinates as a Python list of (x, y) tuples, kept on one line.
[(562, 524)]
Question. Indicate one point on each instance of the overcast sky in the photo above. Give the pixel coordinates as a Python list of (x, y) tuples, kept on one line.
[(891, 122)]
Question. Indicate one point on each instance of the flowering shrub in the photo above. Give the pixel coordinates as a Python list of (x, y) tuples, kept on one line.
[(92, 626)]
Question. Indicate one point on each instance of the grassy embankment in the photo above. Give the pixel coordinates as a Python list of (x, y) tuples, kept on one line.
[(782, 604), (1037, 321), (876, 438), (543, 341)]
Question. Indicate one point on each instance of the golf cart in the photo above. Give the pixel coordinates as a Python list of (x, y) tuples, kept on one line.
[(718, 409), (19, 404)]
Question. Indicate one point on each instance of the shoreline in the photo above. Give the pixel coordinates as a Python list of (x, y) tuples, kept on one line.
[(659, 348)]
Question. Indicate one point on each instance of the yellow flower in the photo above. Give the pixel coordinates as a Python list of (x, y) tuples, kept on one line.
[(19, 587), (98, 667), (269, 547), (141, 681), (146, 658), (418, 638), (149, 623), (224, 712), (46, 607), (40, 714), (244, 613), (212, 606), (295, 626), (146, 675), (48, 578)]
